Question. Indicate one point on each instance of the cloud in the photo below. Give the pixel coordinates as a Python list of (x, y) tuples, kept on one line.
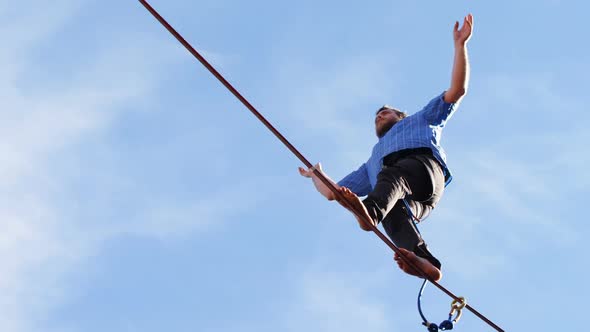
[(64, 187), (335, 301), (167, 219), (24, 29), (40, 239)]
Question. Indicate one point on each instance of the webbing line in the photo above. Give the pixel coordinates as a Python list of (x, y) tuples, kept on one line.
[(339, 196)]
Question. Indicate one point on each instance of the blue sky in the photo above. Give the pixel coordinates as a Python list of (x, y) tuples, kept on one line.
[(137, 194)]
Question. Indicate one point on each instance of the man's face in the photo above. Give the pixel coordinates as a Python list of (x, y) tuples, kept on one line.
[(384, 120)]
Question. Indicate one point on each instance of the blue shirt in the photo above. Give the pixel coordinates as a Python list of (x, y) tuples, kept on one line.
[(421, 129)]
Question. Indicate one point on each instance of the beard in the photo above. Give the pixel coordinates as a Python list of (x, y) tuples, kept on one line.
[(382, 130)]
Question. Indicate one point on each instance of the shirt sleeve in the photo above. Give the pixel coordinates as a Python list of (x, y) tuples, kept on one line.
[(437, 111), (357, 181)]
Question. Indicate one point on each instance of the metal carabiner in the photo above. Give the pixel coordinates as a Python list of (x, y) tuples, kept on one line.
[(457, 306)]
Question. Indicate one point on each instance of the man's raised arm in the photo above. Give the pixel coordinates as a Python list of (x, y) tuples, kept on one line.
[(460, 75)]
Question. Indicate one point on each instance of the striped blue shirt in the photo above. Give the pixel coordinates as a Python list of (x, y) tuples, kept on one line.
[(421, 129)]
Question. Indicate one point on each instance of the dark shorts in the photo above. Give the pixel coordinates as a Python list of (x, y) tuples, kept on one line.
[(416, 176)]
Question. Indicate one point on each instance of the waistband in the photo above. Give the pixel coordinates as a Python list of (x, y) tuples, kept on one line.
[(391, 158)]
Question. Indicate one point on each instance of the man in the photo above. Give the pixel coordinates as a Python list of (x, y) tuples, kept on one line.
[(407, 168)]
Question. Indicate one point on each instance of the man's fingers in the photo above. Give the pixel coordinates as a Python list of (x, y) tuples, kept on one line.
[(314, 168), (304, 173), (467, 23), (399, 261), (307, 173), (397, 255), (469, 20)]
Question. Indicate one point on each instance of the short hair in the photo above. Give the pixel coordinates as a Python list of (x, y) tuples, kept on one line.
[(387, 107)]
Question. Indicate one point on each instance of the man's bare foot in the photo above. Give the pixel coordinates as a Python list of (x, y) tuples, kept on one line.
[(431, 271), (355, 204)]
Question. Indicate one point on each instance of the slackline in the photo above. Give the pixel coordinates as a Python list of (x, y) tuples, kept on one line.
[(339, 196)]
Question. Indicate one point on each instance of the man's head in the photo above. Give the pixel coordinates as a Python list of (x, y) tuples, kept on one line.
[(385, 118)]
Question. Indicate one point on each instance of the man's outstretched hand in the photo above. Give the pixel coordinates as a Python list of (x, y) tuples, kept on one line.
[(319, 184), (346, 198), (309, 172), (461, 36)]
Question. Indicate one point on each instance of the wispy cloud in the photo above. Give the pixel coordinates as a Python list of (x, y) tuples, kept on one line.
[(168, 219), (336, 301), (40, 239)]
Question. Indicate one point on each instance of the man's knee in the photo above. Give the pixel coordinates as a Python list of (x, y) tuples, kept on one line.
[(373, 208), (383, 199)]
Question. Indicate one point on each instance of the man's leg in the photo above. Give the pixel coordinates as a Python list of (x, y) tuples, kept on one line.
[(419, 178), (405, 239), (427, 185), (400, 228), (391, 186)]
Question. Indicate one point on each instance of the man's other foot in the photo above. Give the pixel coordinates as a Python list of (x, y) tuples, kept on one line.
[(355, 204), (430, 270)]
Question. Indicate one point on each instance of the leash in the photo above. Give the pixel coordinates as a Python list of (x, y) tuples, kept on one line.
[(456, 306)]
